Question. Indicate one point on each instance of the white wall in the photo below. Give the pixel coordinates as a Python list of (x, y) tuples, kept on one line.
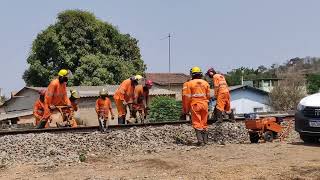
[(245, 100), (244, 105)]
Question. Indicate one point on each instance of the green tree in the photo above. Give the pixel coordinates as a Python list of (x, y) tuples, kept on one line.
[(313, 83), (95, 52)]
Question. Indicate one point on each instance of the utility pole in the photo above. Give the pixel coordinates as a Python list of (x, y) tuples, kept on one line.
[(169, 49), (169, 53), (169, 37)]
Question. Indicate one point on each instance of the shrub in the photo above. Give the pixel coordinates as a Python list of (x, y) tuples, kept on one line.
[(164, 108)]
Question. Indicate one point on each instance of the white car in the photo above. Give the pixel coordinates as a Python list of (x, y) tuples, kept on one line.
[(307, 118)]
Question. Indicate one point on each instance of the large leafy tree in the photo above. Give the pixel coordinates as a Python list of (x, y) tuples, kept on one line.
[(95, 52)]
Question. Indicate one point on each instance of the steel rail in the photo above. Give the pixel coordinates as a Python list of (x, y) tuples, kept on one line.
[(85, 129)]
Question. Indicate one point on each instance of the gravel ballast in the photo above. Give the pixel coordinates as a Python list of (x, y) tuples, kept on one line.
[(51, 149)]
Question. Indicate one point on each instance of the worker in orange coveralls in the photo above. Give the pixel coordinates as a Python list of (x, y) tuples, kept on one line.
[(141, 98), (74, 96), (222, 96), (38, 108), (185, 113), (197, 97), (124, 95), (56, 95), (103, 107)]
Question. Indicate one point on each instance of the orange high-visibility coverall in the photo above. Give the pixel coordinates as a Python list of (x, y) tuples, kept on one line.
[(56, 95), (38, 111), (74, 108), (198, 94), (141, 96), (103, 106), (221, 92), (124, 93), (184, 99)]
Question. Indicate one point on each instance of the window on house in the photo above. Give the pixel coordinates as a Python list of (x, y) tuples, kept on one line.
[(258, 109)]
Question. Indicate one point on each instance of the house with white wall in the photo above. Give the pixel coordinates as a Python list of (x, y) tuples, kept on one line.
[(247, 99)]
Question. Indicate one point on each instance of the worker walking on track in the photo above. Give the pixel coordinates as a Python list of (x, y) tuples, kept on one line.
[(56, 95), (38, 108), (222, 96), (103, 107), (74, 96), (125, 95), (197, 96), (141, 98)]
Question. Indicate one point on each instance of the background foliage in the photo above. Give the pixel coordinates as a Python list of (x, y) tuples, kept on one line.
[(95, 52), (164, 108)]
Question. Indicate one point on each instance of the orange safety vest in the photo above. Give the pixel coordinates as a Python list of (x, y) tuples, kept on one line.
[(220, 84), (125, 92)]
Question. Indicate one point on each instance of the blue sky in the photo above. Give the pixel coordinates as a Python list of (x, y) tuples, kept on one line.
[(223, 34)]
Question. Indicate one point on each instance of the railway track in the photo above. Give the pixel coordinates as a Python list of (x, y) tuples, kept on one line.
[(88, 129)]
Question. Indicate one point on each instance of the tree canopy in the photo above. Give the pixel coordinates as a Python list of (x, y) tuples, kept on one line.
[(94, 51)]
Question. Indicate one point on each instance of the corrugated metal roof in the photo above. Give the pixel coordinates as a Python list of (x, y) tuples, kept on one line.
[(93, 91), (167, 78), (233, 88), (15, 115)]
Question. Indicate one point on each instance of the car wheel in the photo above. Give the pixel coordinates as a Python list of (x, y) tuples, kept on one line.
[(308, 139), (268, 136), (254, 137)]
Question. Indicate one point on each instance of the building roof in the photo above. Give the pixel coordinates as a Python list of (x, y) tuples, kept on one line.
[(15, 115), (244, 87), (167, 78), (233, 88)]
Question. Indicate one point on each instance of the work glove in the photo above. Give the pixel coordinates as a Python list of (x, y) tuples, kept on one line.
[(112, 117)]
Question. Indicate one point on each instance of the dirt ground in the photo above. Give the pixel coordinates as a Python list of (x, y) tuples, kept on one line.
[(277, 160)]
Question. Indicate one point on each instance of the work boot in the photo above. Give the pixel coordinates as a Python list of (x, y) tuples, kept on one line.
[(105, 125), (205, 136), (120, 120), (101, 127), (199, 137), (42, 124), (218, 116)]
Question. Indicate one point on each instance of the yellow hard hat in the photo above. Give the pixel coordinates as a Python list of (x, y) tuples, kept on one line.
[(75, 93), (63, 72), (103, 92), (138, 77), (196, 69)]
